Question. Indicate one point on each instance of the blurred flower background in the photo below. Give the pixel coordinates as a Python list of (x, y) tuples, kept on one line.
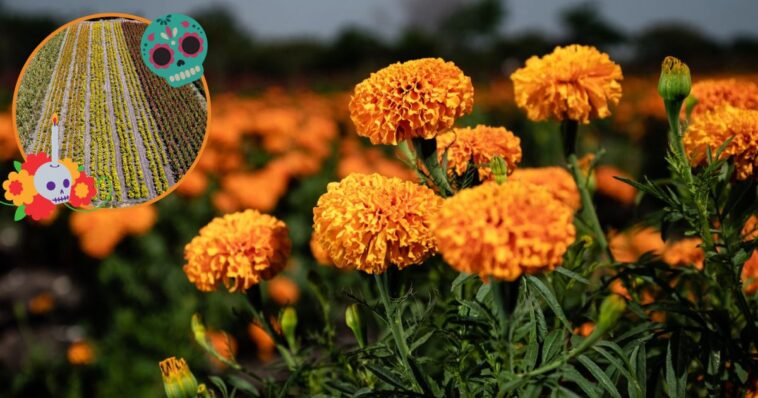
[(90, 303)]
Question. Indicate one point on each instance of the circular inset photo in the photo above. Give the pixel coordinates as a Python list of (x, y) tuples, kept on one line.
[(85, 96)]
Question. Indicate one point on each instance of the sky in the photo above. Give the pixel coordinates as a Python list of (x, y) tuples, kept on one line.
[(281, 19)]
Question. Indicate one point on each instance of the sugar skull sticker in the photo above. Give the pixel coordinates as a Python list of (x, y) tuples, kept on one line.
[(174, 47)]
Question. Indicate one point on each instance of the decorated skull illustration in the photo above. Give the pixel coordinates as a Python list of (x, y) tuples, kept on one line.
[(174, 47), (53, 181)]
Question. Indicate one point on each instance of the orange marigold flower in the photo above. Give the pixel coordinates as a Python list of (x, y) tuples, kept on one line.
[(41, 303), (80, 353), (100, 231), (712, 129), (224, 344), (750, 229), (712, 94), (503, 230), (629, 245), (482, 144), (750, 274), (556, 180), (263, 341), (19, 188), (609, 186), (319, 253), (370, 222), (238, 249), (684, 252), (418, 98), (283, 290), (573, 82)]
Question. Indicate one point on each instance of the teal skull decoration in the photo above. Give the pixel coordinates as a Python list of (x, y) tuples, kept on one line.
[(174, 47)]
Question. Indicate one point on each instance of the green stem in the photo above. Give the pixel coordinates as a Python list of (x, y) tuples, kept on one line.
[(505, 295), (426, 151), (396, 327), (569, 130), (255, 300)]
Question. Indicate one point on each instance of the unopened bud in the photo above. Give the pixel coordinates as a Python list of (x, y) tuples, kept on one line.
[(499, 169), (178, 381), (198, 329), (675, 82), (610, 311), (355, 323), (288, 322)]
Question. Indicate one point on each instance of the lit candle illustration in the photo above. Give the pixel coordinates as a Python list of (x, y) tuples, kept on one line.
[(54, 139)]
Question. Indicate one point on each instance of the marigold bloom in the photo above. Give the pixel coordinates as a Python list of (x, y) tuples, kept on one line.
[(263, 341), (80, 353), (608, 185), (224, 344), (482, 144), (178, 380), (684, 252), (41, 303), (239, 249), (370, 222), (283, 290), (629, 245), (712, 94), (19, 188), (503, 230), (556, 180), (418, 98), (573, 82), (100, 231), (712, 129), (750, 274), (318, 252)]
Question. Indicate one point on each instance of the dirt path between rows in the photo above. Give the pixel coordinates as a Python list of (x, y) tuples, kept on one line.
[(138, 139), (112, 119)]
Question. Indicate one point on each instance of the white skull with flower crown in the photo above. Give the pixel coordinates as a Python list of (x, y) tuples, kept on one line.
[(52, 180)]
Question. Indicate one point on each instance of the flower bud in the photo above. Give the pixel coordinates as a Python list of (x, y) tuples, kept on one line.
[(675, 82), (198, 329), (499, 169), (610, 311), (178, 381), (288, 322), (355, 323)]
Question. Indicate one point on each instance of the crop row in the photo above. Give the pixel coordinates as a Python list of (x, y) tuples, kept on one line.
[(34, 85), (54, 96), (179, 113), (72, 113)]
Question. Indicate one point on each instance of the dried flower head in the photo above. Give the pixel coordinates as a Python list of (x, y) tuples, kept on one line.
[(503, 230), (573, 82), (713, 129), (370, 222), (239, 249), (556, 180), (418, 98), (480, 144)]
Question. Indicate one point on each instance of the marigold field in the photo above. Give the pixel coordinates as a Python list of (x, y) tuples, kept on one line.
[(562, 221), (132, 131)]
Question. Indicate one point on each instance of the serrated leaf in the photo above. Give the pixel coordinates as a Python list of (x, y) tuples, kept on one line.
[(618, 365), (550, 299), (386, 376), (572, 275), (552, 345), (572, 375), (599, 375), (242, 385), (420, 341)]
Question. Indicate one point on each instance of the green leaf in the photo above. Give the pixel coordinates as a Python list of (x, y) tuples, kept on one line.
[(572, 275), (571, 374), (17, 165), (81, 167), (243, 385), (550, 299), (618, 365), (599, 375), (219, 383), (20, 213), (552, 346), (420, 341), (386, 376)]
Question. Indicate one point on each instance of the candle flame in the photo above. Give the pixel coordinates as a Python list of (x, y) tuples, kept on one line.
[(55, 119)]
